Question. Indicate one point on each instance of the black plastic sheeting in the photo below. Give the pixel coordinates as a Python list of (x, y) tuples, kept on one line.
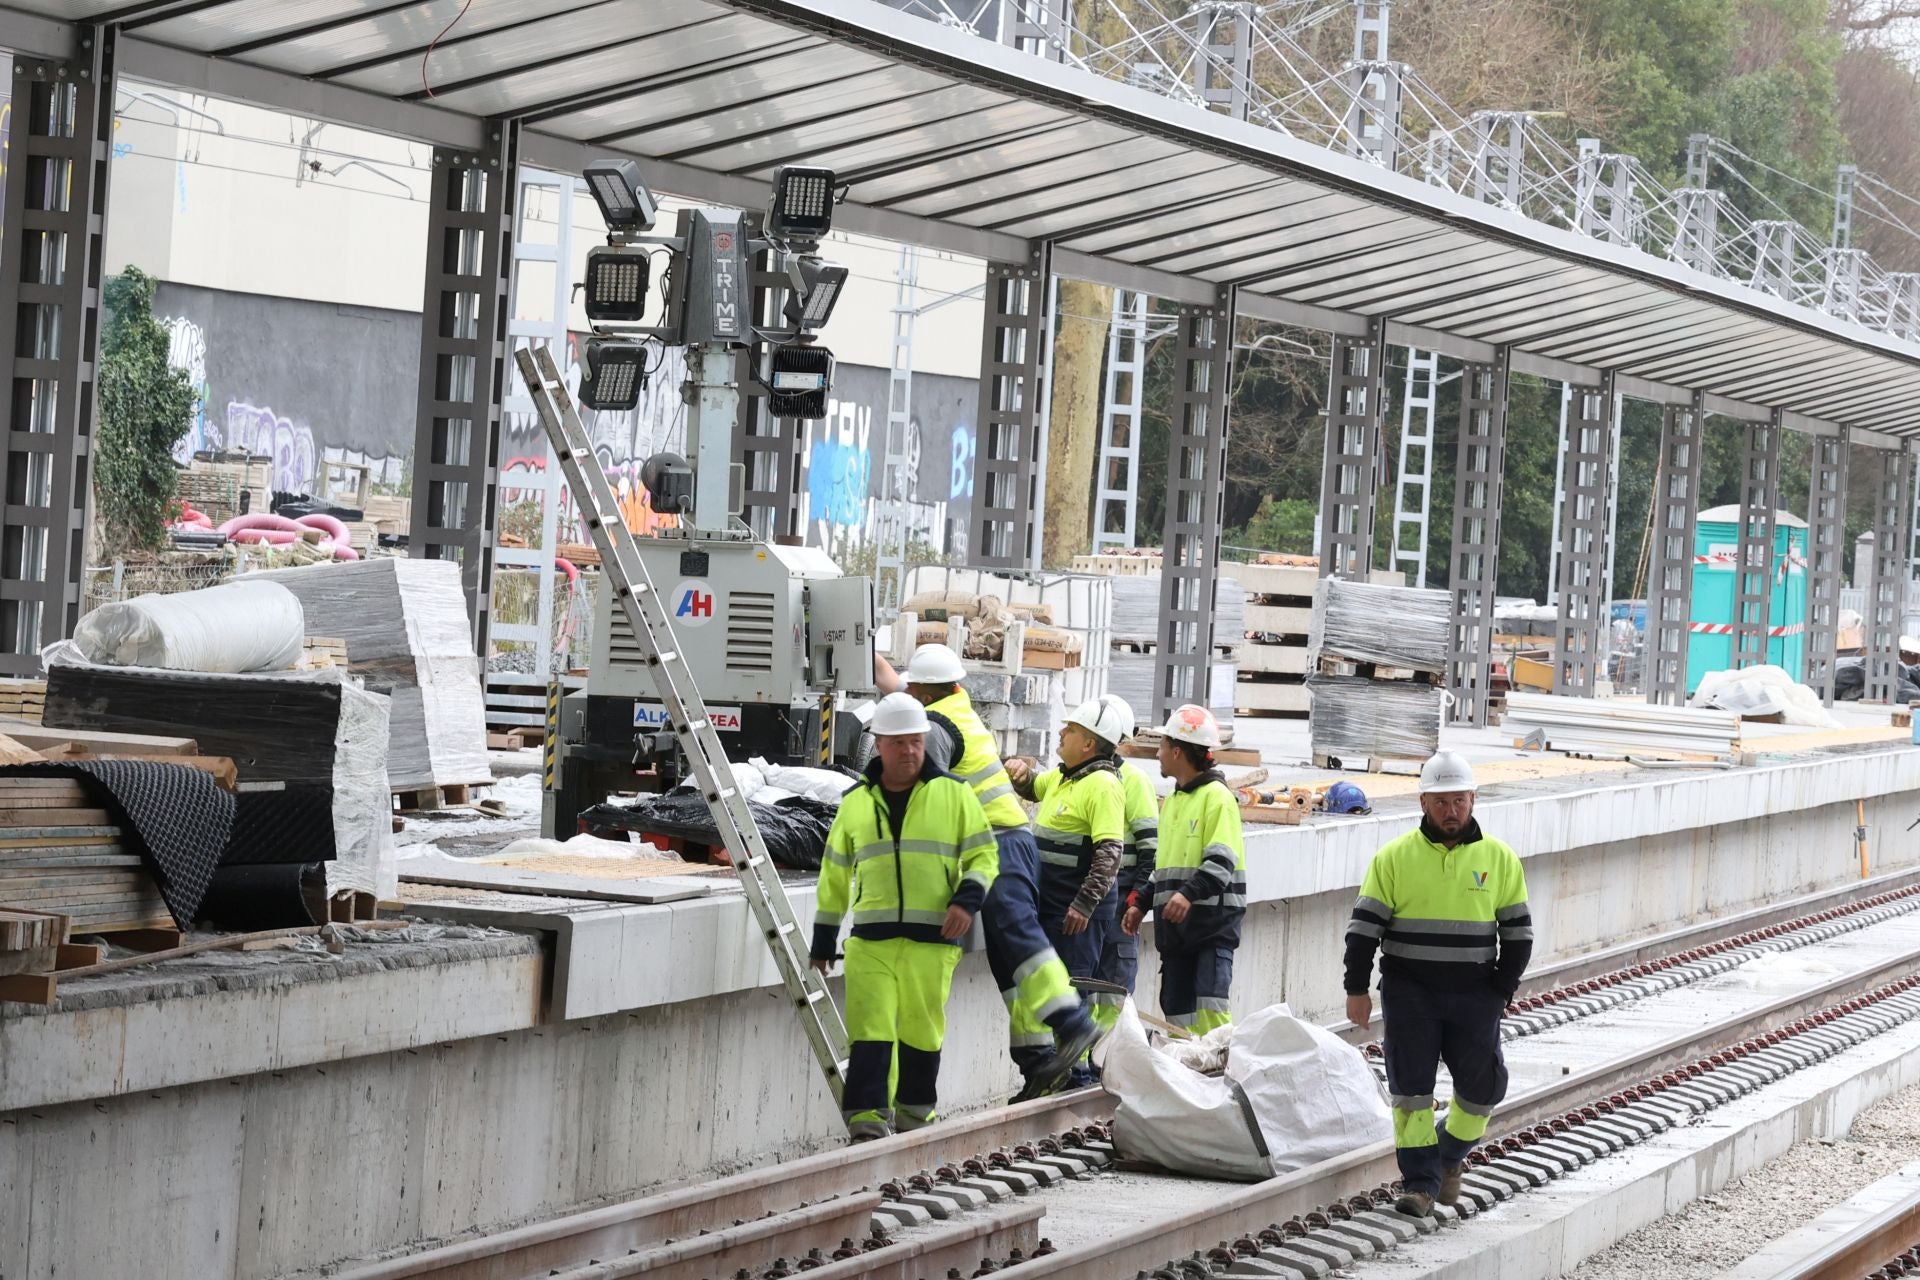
[(795, 829), (281, 895)]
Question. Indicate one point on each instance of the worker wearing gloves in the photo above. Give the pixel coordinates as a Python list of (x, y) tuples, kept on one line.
[(1199, 887), (1049, 1026), (1446, 905), (1081, 829), (911, 855)]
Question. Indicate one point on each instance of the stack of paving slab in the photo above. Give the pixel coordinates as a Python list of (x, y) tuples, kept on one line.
[(1023, 712), (1378, 654), (1625, 727), (1277, 618)]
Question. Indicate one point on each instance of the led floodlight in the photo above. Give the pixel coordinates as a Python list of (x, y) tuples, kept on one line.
[(613, 370), (623, 198), (616, 284), (802, 204), (799, 376), (823, 283)]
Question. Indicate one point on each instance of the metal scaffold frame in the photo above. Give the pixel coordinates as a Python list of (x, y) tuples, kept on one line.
[(463, 356), (1478, 480), (1116, 485), (1753, 564), (1886, 594), (1413, 482), (1350, 477), (769, 450), (1586, 467), (1196, 486), (1004, 524), (1676, 508), (56, 193), (890, 509), (1826, 558)]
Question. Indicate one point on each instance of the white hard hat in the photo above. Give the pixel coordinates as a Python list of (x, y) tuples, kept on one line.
[(898, 714), (935, 664), (1193, 724), (1107, 718), (1446, 771)]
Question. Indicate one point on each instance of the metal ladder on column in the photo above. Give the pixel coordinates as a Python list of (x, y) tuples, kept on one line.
[(633, 588)]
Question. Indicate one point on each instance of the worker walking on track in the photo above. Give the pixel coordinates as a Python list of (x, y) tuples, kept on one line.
[(1049, 1026), (1198, 890), (912, 856), (1447, 907)]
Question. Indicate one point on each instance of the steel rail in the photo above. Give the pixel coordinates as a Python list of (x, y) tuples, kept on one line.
[(1873, 1244), (612, 1230), (1149, 1245)]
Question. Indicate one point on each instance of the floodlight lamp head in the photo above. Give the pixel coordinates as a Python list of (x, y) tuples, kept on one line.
[(799, 377), (624, 200), (802, 204), (824, 282), (613, 371), (616, 284)]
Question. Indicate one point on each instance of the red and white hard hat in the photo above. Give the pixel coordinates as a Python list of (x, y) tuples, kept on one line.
[(1193, 724)]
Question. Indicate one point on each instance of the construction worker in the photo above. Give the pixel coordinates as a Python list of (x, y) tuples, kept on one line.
[(1447, 907), (1199, 888), (1080, 826), (1049, 1026), (912, 856)]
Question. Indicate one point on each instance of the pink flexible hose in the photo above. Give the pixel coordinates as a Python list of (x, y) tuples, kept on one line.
[(272, 537), (260, 520), (566, 566)]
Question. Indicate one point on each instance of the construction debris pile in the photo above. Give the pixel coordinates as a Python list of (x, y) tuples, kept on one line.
[(1379, 656)]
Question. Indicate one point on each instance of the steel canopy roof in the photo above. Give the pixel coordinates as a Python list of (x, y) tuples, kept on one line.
[(955, 142)]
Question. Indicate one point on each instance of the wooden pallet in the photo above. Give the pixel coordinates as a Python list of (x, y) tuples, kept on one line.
[(323, 651), (516, 739), (454, 795), (23, 699), (1336, 666), (1374, 764)]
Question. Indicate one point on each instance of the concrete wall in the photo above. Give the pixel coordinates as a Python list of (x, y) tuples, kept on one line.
[(281, 1169)]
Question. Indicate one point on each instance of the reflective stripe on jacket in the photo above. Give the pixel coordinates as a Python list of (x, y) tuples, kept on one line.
[(900, 884), (979, 763), (1202, 856)]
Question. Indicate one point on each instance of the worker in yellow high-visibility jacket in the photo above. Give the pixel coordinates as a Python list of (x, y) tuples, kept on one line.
[(1049, 1025), (1200, 880), (911, 857)]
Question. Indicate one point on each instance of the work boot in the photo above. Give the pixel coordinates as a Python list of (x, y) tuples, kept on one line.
[(1415, 1204), (1450, 1185), (1069, 1047)]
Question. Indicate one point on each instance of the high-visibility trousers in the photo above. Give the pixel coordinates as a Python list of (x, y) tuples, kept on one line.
[(1194, 985), (1119, 964), (896, 1014), (1422, 1027), (1033, 982)]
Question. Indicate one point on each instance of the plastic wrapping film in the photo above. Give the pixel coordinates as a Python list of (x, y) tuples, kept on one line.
[(246, 625), (1390, 719), (315, 727), (407, 633), (1136, 610), (794, 829), (1402, 627)]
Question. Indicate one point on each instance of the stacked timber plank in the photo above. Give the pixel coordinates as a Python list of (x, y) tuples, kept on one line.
[(1127, 562), (60, 855), (1588, 725), (1379, 654), (1278, 620), (23, 699)]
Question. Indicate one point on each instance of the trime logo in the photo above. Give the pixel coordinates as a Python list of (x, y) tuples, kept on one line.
[(693, 604)]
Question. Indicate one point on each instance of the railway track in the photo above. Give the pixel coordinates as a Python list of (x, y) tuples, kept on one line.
[(942, 1200)]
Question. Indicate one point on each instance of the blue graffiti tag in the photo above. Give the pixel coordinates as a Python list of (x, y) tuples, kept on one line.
[(961, 485), (837, 476)]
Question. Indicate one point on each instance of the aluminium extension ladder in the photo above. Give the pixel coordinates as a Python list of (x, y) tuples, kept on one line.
[(627, 576)]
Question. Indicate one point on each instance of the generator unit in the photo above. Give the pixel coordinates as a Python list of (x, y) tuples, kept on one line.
[(771, 634)]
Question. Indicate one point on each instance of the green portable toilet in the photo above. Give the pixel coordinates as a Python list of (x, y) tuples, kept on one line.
[(1716, 545)]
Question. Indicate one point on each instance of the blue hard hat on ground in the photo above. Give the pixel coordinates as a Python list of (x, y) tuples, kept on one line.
[(1344, 797)]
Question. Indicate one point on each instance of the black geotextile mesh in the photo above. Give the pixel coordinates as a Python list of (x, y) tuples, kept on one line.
[(293, 824), (179, 818)]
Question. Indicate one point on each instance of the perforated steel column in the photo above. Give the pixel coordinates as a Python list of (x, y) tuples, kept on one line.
[(1478, 478), (1887, 594), (1676, 506), (1753, 571), (1350, 475), (1826, 548), (1586, 468), (1013, 371), (463, 330), (56, 197), (768, 449), (1196, 480)]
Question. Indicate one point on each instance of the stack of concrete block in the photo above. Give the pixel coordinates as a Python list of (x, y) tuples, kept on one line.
[(1022, 712)]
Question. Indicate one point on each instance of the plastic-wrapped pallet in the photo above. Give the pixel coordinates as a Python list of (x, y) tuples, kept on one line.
[(1136, 610), (312, 730), (1352, 717), (407, 635), (1404, 627)]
